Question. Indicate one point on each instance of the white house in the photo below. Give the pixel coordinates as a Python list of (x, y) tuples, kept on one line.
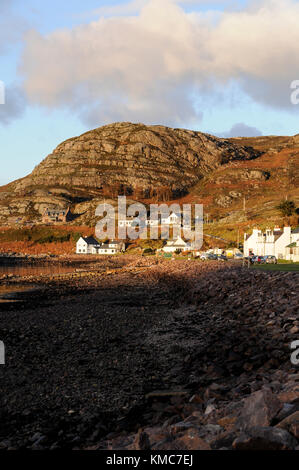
[(272, 242), (172, 219), (112, 248), (152, 223), (292, 250), (179, 244), (128, 222), (88, 245), (91, 246)]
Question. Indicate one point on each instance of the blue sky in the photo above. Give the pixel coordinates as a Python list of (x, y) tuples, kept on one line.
[(222, 67)]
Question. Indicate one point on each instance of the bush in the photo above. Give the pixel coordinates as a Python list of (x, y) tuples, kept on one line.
[(287, 208), (148, 251)]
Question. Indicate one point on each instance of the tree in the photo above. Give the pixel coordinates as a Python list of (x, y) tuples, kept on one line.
[(287, 208)]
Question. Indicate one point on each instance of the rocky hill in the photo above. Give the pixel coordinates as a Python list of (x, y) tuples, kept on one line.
[(146, 162)]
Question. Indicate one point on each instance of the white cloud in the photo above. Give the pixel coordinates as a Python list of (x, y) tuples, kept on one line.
[(148, 67)]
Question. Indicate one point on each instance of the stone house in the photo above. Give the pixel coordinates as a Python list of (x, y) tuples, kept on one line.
[(54, 216)]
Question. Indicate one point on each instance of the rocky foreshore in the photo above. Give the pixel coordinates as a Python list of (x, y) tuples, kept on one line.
[(154, 354)]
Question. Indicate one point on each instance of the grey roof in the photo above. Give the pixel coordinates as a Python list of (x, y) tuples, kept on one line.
[(90, 240), (106, 246)]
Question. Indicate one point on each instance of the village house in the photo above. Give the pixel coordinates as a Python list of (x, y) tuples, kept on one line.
[(90, 245), (54, 216), (111, 248), (152, 222), (172, 219), (136, 221), (131, 222), (292, 250), (176, 245), (271, 243)]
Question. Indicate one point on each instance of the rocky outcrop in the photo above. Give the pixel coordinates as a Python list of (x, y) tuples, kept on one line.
[(124, 156), (235, 175), (133, 155), (160, 163)]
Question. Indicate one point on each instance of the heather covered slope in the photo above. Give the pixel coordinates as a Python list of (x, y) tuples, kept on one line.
[(262, 183)]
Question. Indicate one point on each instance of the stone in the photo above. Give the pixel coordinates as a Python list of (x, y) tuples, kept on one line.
[(191, 440), (265, 438), (289, 396), (259, 409), (209, 409), (141, 441), (291, 420)]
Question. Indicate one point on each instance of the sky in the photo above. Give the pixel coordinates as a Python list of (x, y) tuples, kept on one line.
[(224, 67)]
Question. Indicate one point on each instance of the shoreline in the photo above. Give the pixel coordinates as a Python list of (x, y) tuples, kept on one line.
[(142, 346)]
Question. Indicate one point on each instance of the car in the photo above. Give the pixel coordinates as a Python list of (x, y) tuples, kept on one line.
[(213, 257), (269, 259), (258, 260), (238, 256), (208, 256), (222, 257)]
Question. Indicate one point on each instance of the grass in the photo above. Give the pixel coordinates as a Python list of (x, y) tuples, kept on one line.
[(290, 267)]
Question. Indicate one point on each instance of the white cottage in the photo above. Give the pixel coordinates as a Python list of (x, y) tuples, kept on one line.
[(272, 242), (128, 222), (172, 219), (179, 244), (88, 245), (112, 248), (292, 250)]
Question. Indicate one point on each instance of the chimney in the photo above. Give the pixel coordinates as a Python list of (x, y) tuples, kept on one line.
[(287, 231)]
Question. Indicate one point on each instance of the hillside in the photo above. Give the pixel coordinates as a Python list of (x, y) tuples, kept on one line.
[(157, 163), (257, 185)]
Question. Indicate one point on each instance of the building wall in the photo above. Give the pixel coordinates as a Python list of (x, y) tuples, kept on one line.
[(263, 246), (81, 247)]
